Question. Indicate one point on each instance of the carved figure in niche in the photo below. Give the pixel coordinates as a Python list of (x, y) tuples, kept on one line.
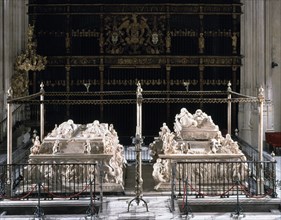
[(201, 43), (215, 146), (36, 146), (164, 129), (56, 147), (234, 41), (94, 128), (185, 148), (160, 172), (169, 144), (87, 147)]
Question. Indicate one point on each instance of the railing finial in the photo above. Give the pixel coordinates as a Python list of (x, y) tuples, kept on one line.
[(229, 86), (41, 86), (10, 92)]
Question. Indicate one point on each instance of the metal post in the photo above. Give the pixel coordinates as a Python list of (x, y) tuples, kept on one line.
[(238, 210), (100, 164), (187, 211), (173, 186), (260, 141), (91, 211), (42, 119), (9, 140), (39, 212), (138, 140), (229, 108)]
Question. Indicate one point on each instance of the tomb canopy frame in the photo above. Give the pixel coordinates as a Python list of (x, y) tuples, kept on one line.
[(128, 97)]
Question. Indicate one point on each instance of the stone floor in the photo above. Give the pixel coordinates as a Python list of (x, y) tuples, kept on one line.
[(158, 204)]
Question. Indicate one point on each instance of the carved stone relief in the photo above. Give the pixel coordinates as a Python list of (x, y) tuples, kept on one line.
[(195, 136), (82, 143), (134, 34)]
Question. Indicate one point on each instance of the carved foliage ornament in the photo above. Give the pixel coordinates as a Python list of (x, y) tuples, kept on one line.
[(27, 61), (30, 60), (19, 84), (133, 34)]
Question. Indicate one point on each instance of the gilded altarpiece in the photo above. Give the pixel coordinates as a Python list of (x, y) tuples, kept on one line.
[(101, 46)]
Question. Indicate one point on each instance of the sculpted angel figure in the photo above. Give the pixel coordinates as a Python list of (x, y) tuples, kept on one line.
[(36, 146), (87, 147), (56, 147)]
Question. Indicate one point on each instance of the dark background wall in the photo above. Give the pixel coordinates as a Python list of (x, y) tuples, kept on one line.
[(79, 39)]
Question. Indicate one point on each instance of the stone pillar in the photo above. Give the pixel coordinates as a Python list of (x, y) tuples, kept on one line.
[(253, 69), (12, 39), (2, 91), (273, 72)]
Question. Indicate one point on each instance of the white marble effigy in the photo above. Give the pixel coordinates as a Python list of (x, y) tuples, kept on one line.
[(195, 138), (90, 143), (198, 126)]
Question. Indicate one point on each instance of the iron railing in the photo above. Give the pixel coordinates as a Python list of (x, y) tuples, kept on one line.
[(62, 180), (250, 152), (219, 178), (19, 114)]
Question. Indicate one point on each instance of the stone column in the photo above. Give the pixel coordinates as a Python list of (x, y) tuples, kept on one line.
[(2, 91), (273, 72), (13, 25), (253, 69)]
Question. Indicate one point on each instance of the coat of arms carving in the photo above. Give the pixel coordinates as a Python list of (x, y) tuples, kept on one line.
[(134, 34)]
